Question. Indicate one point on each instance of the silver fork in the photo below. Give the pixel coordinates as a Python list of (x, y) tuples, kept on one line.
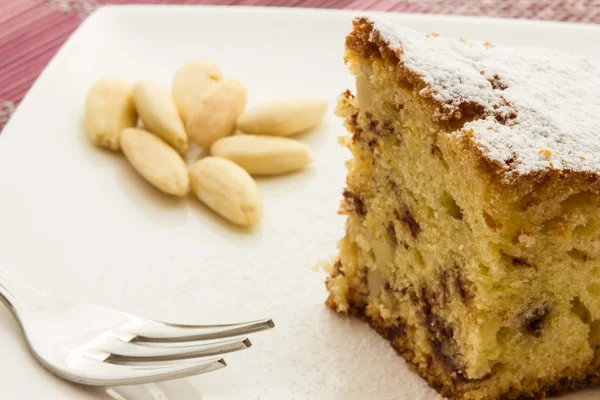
[(98, 346)]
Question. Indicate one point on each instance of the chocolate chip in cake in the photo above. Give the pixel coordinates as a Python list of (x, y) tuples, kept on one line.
[(453, 282), (388, 127), (520, 262), (356, 303), (356, 202), (535, 320), (354, 128), (373, 127), (372, 123), (463, 288), (393, 185), (396, 330), (360, 206), (412, 295), (410, 221), (426, 301), (515, 261), (391, 231), (337, 269)]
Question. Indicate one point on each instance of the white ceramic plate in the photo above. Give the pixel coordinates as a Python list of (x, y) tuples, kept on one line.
[(80, 223)]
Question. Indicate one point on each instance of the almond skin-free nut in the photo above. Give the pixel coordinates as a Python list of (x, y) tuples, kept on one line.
[(227, 189), (216, 114), (157, 109), (156, 161), (192, 80), (263, 155), (108, 110), (283, 117)]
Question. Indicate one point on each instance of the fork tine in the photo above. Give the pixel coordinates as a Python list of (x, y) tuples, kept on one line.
[(157, 332), (140, 351), (116, 374)]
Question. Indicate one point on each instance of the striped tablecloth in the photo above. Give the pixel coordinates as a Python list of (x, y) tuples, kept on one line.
[(31, 31)]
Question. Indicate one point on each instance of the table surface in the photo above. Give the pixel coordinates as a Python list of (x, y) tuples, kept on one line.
[(31, 31)]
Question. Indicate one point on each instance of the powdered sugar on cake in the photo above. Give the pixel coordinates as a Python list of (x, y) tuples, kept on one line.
[(540, 108)]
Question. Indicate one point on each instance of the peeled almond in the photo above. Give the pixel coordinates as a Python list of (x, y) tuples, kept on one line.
[(227, 189), (159, 114), (263, 155), (214, 117), (108, 110), (156, 161), (192, 80), (283, 117)]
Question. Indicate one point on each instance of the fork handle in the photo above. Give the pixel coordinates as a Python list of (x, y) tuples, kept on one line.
[(6, 290)]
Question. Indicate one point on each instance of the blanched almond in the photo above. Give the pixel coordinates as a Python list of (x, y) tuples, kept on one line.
[(227, 189), (263, 155), (157, 109), (283, 117), (156, 161), (214, 117), (108, 110), (192, 80)]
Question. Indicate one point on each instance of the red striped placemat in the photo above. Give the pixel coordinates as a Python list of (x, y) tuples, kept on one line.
[(31, 31)]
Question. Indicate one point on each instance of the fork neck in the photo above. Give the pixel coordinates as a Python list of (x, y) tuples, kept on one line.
[(6, 290)]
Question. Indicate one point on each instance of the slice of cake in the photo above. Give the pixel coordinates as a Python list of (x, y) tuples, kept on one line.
[(473, 200)]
